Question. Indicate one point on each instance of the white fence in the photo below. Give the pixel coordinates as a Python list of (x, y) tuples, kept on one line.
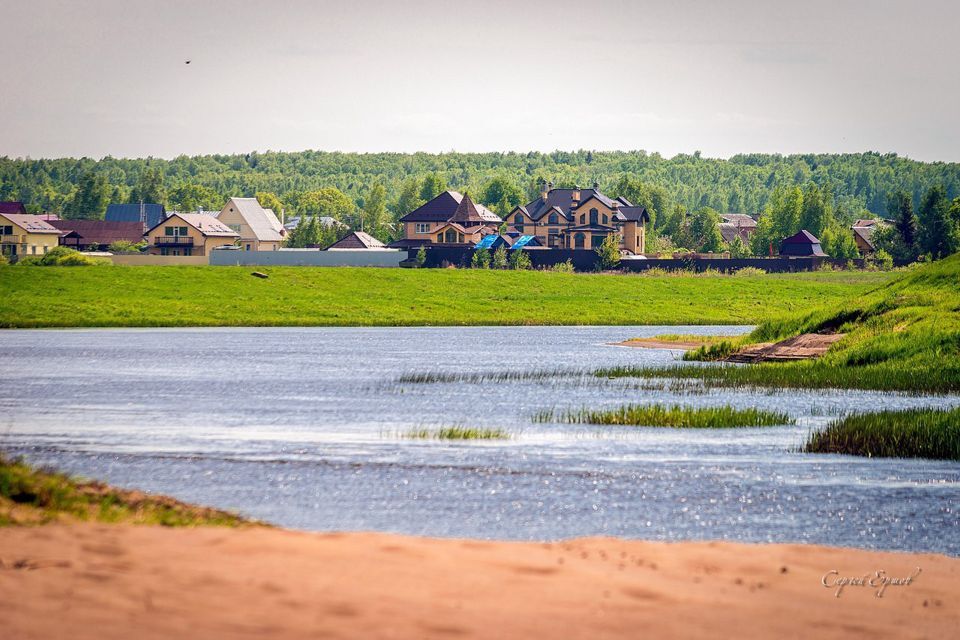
[(309, 258)]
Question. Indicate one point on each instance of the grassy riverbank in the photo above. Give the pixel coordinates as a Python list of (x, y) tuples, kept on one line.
[(676, 416), (303, 296), (34, 496), (902, 336)]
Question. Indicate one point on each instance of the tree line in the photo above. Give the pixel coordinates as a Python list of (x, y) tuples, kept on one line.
[(371, 191)]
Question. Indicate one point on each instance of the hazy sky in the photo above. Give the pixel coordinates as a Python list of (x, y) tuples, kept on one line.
[(105, 77)]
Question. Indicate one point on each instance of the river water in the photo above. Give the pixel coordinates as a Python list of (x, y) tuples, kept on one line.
[(303, 427)]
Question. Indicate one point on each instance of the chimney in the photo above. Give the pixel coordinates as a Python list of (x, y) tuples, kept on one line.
[(575, 197), (544, 190), (596, 186), (616, 206)]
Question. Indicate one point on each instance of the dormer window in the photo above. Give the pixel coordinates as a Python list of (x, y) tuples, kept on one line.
[(518, 219), (553, 219), (594, 217)]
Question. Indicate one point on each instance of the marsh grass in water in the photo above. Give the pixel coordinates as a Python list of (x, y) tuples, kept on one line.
[(914, 433), (457, 432), (34, 496), (436, 377), (675, 416)]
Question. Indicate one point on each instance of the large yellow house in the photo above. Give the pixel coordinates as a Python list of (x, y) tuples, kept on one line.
[(580, 219), (189, 234), (448, 219), (258, 228), (22, 234)]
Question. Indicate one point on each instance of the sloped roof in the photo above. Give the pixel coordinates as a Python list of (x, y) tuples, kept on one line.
[(102, 232), (634, 214), (802, 237), (738, 219), (357, 240), (467, 212), (728, 231), (563, 199), (264, 225), (30, 223), (443, 207), (865, 234), (202, 222), (154, 213), (12, 206), (864, 222)]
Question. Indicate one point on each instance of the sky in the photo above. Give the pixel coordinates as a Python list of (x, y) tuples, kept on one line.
[(108, 77)]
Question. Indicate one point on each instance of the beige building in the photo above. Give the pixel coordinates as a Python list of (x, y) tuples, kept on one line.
[(580, 219), (26, 235), (258, 228), (450, 218), (189, 234)]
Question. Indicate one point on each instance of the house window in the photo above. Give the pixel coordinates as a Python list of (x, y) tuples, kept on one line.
[(422, 227), (553, 219), (6, 230), (598, 240), (174, 231), (518, 219), (583, 219), (594, 217), (33, 249), (605, 219), (578, 240), (451, 236), (248, 247)]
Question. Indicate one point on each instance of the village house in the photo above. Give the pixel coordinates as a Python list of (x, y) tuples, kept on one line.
[(12, 206), (581, 219), (801, 245), (356, 240), (88, 235), (863, 234), (148, 215), (189, 234), (448, 219), (258, 228), (737, 224), (26, 235)]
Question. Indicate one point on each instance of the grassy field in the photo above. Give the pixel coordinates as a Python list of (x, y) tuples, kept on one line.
[(676, 416), (915, 433), (902, 336), (303, 296), (35, 496)]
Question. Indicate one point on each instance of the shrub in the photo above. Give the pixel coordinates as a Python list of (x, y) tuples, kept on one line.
[(563, 267), (3, 260), (750, 271), (480, 259), (500, 260), (125, 246), (519, 260), (61, 257), (609, 252), (882, 260), (421, 258)]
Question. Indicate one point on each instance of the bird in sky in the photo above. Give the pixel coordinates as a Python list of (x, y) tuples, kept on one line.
[(187, 62)]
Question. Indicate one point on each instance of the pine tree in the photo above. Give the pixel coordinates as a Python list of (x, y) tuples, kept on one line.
[(938, 230), (500, 258), (900, 206)]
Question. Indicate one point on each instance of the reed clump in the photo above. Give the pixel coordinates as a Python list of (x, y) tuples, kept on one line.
[(674, 416), (913, 433), (458, 432)]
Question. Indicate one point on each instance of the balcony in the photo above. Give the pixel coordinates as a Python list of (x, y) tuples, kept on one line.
[(13, 239), (173, 241)]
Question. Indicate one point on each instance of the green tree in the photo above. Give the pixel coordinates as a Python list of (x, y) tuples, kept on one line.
[(519, 260), (763, 241), (500, 260), (900, 206), (816, 211), (193, 197), (149, 188), (269, 200), (939, 232), (375, 212), (705, 231), (432, 186), (91, 198), (328, 201), (480, 259), (738, 248), (421, 258), (409, 198), (837, 242), (609, 252), (502, 195)]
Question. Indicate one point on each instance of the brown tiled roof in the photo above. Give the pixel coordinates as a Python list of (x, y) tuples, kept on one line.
[(357, 240), (31, 224), (102, 232), (467, 212), (443, 207), (738, 219)]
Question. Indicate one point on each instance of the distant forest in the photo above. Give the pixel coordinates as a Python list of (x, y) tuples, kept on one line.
[(380, 187)]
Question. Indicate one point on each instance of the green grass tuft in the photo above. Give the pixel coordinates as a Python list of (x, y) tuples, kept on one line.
[(458, 433), (675, 416), (915, 433)]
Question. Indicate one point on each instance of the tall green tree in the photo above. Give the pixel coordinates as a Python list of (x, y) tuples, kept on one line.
[(432, 186), (193, 197), (409, 198), (328, 201), (938, 235), (900, 207), (270, 200), (149, 188), (705, 231), (816, 212), (91, 198), (501, 194), (376, 219)]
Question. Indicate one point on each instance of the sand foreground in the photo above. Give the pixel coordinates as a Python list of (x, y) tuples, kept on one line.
[(122, 581)]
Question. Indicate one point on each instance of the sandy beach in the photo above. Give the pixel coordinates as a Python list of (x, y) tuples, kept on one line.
[(120, 581)]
